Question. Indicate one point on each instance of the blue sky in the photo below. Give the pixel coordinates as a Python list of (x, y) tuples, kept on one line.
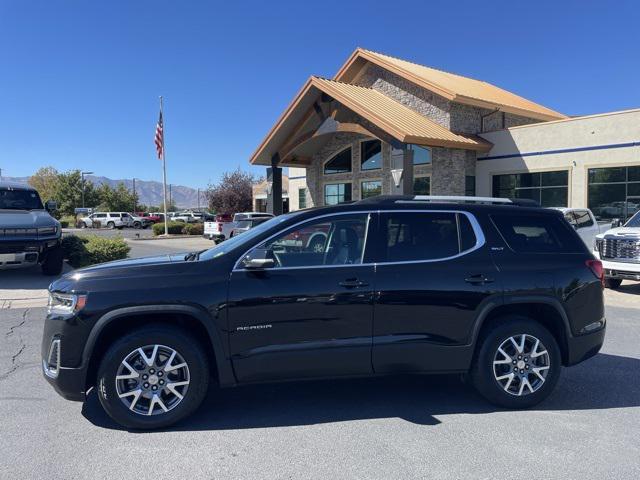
[(79, 80)]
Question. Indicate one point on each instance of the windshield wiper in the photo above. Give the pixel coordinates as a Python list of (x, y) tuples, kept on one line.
[(193, 255)]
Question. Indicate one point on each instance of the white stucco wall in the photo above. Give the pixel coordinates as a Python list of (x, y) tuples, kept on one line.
[(604, 132), (297, 180)]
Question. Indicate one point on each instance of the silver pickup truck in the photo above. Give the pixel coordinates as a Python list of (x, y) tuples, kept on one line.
[(28, 233), (619, 251)]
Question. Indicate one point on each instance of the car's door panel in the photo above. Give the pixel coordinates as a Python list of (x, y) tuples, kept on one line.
[(425, 311), (301, 321)]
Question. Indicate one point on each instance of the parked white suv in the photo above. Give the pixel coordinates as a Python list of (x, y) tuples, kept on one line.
[(189, 217), (219, 230), (619, 251), (113, 220)]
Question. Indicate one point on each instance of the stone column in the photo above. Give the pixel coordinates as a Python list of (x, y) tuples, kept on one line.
[(448, 171)]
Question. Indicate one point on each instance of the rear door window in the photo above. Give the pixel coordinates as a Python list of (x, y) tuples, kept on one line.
[(532, 233), (420, 236), (583, 219)]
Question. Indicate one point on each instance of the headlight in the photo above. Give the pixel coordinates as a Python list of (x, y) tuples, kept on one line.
[(65, 303), (47, 231)]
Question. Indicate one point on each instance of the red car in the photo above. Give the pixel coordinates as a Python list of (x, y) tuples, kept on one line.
[(151, 217)]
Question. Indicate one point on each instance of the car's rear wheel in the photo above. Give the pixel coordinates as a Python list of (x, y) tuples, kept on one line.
[(111, 225), (82, 225), (137, 225), (153, 377), (612, 283), (517, 363)]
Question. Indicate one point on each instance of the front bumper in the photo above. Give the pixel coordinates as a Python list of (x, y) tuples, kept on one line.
[(17, 253), (585, 346)]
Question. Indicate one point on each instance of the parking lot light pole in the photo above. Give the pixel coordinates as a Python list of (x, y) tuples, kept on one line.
[(82, 174)]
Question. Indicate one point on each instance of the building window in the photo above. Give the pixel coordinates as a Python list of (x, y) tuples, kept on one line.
[(371, 189), (614, 192), (470, 186), (302, 198), (421, 155), (422, 186), (340, 163), (370, 155), (337, 193), (549, 189)]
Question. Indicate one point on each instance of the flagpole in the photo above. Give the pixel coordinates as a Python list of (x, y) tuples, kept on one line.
[(164, 175)]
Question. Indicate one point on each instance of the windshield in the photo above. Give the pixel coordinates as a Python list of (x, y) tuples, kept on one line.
[(634, 221), (246, 237), (19, 199)]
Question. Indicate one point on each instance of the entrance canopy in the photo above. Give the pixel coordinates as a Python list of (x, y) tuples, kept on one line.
[(324, 107)]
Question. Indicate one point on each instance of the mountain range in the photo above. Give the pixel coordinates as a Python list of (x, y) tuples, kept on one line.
[(149, 191)]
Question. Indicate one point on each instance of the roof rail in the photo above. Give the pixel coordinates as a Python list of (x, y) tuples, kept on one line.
[(391, 199)]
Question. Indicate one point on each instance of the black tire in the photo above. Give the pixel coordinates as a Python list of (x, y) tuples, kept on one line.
[(111, 225), (137, 225), (613, 283), (482, 369), (175, 338), (53, 262), (82, 225)]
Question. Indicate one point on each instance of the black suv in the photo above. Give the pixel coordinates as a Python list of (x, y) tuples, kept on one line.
[(504, 292)]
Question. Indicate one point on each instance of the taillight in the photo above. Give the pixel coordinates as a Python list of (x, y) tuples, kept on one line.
[(596, 268)]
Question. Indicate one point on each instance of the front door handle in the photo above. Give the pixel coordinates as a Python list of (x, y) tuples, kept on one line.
[(353, 283), (478, 279)]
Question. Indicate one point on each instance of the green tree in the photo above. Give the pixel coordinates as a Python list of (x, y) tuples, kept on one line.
[(118, 199), (45, 181), (68, 193)]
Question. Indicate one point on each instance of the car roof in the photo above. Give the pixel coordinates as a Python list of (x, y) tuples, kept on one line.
[(16, 186)]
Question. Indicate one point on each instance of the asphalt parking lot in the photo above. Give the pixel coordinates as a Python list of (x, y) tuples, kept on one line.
[(395, 427)]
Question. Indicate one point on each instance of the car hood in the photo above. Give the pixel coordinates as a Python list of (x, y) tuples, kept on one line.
[(622, 232), (26, 219), (155, 267)]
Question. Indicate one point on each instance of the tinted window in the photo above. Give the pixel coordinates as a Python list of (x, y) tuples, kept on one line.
[(335, 240), (614, 192), (421, 155), (468, 238), (341, 163), (537, 233), (414, 236), (422, 186), (20, 200), (370, 155), (371, 188), (550, 189)]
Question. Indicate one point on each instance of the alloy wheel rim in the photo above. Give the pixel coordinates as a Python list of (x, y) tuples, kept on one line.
[(521, 365), (152, 380)]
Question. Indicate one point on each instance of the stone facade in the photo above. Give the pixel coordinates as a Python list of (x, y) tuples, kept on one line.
[(449, 166)]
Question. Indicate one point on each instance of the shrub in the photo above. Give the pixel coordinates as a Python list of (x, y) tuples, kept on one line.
[(83, 251), (102, 249), (193, 229), (75, 251), (68, 221), (173, 227)]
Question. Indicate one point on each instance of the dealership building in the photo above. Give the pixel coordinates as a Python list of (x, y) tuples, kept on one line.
[(388, 126)]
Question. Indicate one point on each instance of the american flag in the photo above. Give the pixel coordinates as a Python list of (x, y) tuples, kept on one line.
[(159, 140)]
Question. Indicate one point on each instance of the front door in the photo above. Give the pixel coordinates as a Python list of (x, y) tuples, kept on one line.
[(432, 279), (311, 313)]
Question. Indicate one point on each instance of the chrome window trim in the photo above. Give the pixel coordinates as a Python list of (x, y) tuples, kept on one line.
[(475, 225)]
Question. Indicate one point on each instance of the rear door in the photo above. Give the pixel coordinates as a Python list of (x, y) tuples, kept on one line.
[(433, 276)]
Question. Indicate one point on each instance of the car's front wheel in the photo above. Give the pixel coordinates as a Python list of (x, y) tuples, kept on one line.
[(517, 364), (153, 377)]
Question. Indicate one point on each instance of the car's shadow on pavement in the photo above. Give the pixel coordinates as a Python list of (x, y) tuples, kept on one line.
[(602, 382)]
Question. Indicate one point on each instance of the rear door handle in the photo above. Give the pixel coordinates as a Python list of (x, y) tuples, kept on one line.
[(478, 279), (353, 283)]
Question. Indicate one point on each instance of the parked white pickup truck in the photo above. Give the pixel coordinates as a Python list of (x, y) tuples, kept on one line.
[(584, 221), (619, 251), (221, 229)]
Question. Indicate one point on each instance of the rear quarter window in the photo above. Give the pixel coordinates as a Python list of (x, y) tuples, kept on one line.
[(531, 233)]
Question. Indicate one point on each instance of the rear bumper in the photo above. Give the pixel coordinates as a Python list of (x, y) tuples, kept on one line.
[(582, 347)]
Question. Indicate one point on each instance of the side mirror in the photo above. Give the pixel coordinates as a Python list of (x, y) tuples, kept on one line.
[(616, 222), (259, 259), (51, 206)]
